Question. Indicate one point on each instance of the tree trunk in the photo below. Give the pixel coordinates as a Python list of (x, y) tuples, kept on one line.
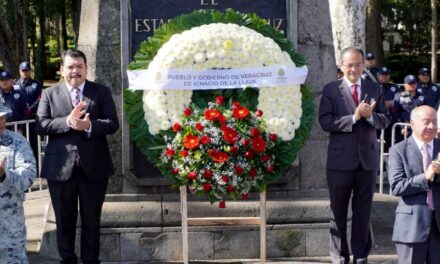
[(76, 13), (41, 50), (434, 41), (62, 27), (13, 34), (373, 30), (348, 24)]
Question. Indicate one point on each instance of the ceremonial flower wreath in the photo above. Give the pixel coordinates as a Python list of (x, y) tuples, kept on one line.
[(210, 138)]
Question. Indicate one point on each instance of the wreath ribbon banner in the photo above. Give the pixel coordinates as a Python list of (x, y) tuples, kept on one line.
[(176, 79)]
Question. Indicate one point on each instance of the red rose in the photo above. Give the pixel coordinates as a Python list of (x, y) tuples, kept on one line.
[(222, 204), (207, 174), (219, 100), (205, 140), (271, 168), (220, 157), (175, 171), (192, 175), (259, 113), (207, 187), (230, 188), (184, 153), (255, 133), (230, 135), (225, 178), (187, 111), (191, 142), (221, 119), (177, 127), (265, 158), (272, 137), (253, 172), (248, 154), (244, 196), (240, 112), (238, 170), (170, 152), (258, 145), (199, 127), (234, 150), (212, 114)]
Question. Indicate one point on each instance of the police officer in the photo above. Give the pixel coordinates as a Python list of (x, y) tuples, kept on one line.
[(17, 173), (339, 73), (428, 89), (389, 91), (29, 87), (370, 69), (404, 103), (13, 99)]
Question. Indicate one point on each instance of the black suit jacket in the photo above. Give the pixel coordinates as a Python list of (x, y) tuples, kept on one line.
[(351, 144), (59, 157)]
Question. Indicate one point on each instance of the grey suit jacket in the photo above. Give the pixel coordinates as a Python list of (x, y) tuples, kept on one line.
[(407, 179), (351, 144), (55, 105)]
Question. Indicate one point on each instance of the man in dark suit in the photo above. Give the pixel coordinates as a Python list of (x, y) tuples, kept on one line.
[(351, 109), (415, 179), (77, 115)]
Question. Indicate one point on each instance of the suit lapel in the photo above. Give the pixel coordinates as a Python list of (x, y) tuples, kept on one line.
[(63, 94), (436, 149), (88, 93), (413, 150), (347, 97)]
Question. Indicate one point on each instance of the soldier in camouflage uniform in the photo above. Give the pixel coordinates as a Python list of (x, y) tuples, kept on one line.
[(17, 172)]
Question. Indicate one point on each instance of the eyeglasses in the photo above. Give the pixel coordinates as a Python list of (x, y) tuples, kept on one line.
[(353, 65)]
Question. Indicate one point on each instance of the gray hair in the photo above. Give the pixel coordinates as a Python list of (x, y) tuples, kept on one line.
[(351, 49)]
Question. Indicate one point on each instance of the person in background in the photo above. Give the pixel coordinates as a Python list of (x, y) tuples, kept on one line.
[(17, 173), (32, 90), (351, 110), (370, 69), (414, 177), (13, 99), (404, 103), (339, 73), (77, 115), (389, 90), (428, 89)]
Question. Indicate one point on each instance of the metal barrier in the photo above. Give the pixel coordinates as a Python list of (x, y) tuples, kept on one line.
[(385, 156), (41, 143)]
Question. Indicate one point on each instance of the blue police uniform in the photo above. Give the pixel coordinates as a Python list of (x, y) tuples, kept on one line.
[(403, 104), (32, 90), (16, 101), (389, 91), (431, 93)]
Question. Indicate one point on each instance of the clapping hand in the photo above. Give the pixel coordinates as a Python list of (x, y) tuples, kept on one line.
[(75, 120), (364, 110)]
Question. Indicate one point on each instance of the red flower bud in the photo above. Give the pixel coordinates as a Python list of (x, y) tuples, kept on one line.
[(199, 127), (207, 187), (259, 113), (205, 139), (235, 104), (265, 158), (192, 175), (211, 152), (225, 179), (170, 152), (248, 154), (221, 119), (244, 196), (187, 111), (238, 170), (234, 150), (222, 204), (230, 188), (184, 153), (246, 142), (219, 100), (271, 168), (255, 132), (207, 174), (177, 127), (272, 137), (253, 172), (175, 171)]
